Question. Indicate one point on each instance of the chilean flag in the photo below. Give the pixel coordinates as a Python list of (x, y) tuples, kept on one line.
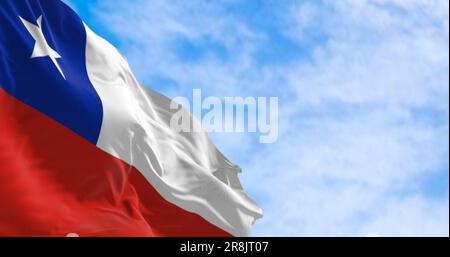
[(85, 150)]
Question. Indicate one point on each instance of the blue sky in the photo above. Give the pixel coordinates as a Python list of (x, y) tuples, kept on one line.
[(363, 91)]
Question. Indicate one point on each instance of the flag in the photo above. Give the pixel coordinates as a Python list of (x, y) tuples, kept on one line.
[(86, 150)]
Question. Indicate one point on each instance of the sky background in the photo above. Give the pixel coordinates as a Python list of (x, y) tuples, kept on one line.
[(363, 88)]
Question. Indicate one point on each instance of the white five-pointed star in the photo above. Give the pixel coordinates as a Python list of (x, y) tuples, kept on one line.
[(41, 47)]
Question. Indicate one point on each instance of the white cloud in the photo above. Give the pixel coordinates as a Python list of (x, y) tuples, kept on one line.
[(153, 29), (358, 141)]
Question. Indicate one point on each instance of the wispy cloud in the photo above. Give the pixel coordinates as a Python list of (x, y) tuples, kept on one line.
[(364, 95)]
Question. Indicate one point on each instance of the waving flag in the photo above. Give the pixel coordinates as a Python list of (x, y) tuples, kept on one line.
[(85, 150)]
